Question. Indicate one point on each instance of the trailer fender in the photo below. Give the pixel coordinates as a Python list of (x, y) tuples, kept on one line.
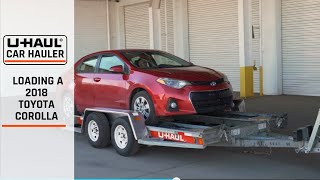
[(135, 119)]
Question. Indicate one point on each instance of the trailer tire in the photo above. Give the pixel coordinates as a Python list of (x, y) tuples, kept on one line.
[(122, 138), (98, 130)]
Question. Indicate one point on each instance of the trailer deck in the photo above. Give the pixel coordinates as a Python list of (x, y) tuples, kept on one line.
[(231, 129)]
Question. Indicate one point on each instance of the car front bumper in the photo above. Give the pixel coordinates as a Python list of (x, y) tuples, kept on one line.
[(194, 99)]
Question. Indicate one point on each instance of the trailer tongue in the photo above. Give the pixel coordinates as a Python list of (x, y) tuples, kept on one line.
[(233, 129)]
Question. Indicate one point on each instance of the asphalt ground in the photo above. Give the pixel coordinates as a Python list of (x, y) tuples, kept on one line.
[(212, 162)]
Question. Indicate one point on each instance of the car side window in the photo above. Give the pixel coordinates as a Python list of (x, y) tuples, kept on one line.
[(87, 66), (108, 61)]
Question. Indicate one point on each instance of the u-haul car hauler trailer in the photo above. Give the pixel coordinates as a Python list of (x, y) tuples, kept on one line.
[(126, 130)]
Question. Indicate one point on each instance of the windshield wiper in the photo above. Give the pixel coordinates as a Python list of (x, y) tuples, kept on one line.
[(168, 66), (172, 66)]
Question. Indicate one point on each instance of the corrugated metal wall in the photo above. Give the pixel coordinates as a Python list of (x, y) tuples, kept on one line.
[(90, 27), (213, 36), (136, 21), (301, 47)]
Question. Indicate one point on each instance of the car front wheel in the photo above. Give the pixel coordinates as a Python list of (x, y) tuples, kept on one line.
[(141, 102)]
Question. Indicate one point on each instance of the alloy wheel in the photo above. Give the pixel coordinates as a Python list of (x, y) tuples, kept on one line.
[(141, 105)]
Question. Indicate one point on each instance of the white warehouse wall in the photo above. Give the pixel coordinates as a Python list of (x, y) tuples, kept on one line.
[(91, 32)]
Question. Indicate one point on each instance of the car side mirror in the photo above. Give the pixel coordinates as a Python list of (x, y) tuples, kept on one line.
[(117, 69)]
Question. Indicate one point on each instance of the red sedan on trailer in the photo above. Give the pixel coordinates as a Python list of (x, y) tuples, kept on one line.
[(152, 82)]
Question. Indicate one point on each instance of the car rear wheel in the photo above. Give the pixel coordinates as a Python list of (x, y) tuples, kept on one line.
[(141, 102)]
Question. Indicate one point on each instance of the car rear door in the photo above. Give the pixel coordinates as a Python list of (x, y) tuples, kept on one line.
[(84, 83), (110, 86)]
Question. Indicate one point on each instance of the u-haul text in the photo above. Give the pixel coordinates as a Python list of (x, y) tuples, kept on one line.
[(35, 49)]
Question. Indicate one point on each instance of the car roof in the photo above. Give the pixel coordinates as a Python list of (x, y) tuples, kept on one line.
[(125, 50), (118, 51)]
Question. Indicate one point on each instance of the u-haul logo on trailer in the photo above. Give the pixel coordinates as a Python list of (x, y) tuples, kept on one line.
[(170, 136), (34, 49)]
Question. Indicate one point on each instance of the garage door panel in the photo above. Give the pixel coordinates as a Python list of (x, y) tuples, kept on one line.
[(136, 19), (300, 47), (167, 32), (213, 36)]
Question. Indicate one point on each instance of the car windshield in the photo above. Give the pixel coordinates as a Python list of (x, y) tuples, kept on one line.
[(154, 60)]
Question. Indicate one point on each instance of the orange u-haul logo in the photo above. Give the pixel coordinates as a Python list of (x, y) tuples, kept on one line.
[(170, 136), (34, 49)]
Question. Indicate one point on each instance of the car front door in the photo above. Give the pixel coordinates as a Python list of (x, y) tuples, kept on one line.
[(110, 85), (84, 83)]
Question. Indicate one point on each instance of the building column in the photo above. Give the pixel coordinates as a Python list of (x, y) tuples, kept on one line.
[(181, 31), (116, 25), (155, 24), (108, 25), (245, 48), (271, 47)]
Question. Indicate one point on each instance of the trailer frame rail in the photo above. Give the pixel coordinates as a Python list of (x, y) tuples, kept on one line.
[(232, 129)]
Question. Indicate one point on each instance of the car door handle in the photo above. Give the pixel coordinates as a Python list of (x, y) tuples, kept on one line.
[(97, 79)]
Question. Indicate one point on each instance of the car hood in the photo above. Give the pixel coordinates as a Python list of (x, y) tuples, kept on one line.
[(192, 73)]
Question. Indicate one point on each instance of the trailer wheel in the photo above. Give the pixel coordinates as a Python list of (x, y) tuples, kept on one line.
[(98, 130), (122, 138)]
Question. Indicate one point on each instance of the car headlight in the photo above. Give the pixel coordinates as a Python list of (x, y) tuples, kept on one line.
[(174, 83)]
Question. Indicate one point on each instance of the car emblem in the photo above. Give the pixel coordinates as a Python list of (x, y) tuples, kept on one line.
[(213, 83)]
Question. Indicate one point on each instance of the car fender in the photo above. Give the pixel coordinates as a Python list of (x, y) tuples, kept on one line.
[(156, 89)]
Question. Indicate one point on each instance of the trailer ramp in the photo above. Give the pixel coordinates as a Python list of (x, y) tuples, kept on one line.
[(232, 129), (236, 129)]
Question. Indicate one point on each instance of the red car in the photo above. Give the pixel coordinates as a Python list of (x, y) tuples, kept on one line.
[(152, 82)]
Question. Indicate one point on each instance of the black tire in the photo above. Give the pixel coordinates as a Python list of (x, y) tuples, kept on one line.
[(132, 145), (103, 139), (152, 119)]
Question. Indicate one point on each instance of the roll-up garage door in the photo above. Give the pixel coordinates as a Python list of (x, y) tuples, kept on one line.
[(136, 19), (167, 33), (301, 47), (90, 27), (213, 36)]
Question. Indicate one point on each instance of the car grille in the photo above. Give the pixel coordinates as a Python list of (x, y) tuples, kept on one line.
[(206, 83), (211, 101)]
